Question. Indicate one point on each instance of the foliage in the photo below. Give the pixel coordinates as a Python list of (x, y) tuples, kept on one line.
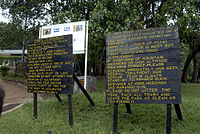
[(10, 57), (12, 76), (22, 68), (10, 36), (109, 16), (186, 14), (4, 70), (146, 118), (104, 16), (26, 15)]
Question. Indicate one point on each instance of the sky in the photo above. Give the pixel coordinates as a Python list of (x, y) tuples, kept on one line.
[(2, 18)]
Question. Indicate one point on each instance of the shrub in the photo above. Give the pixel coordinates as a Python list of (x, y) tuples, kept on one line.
[(4, 70), (22, 68)]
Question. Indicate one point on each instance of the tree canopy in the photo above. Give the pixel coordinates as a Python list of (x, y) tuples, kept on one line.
[(10, 36), (110, 16)]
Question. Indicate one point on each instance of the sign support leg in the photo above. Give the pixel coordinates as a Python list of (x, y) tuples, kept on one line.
[(168, 121), (83, 90), (128, 108), (115, 117), (58, 97), (178, 111), (35, 105), (70, 110)]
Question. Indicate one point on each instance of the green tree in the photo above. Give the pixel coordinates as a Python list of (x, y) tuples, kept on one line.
[(10, 36), (27, 14), (107, 16), (4, 70), (111, 16), (186, 14), (120, 15)]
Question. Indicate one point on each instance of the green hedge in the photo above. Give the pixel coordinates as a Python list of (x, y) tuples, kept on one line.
[(4, 70), (10, 57)]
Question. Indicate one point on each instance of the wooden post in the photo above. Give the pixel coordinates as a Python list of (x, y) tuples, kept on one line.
[(128, 108), (23, 51), (15, 69), (178, 111), (83, 90), (58, 97), (35, 105), (168, 120), (115, 117), (70, 110), (49, 132)]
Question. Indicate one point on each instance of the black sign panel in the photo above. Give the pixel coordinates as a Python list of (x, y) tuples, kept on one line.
[(143, 66), (50, 65)]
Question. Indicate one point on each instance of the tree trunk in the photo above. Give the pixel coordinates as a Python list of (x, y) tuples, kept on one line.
[(89, 68), (186, 66), (195, 70)]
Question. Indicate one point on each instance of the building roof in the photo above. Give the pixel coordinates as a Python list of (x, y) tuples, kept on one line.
[(11, 52)]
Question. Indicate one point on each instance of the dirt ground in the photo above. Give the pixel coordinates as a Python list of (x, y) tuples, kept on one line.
[(15, 93)]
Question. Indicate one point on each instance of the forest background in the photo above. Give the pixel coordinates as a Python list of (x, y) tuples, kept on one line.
[(26, 16)]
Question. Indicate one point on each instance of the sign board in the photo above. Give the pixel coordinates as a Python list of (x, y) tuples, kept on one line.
[(143, 66), (77, 29), (50, 65)]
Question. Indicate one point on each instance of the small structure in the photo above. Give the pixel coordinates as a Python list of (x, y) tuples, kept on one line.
[(91, 84), (12, 52), (7, 61)]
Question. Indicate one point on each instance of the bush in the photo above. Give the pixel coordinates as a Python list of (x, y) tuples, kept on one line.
[(4, 70), (22, 68)]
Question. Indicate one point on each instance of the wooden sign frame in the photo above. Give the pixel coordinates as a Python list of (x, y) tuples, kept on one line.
[(66, 90), (136, 49)]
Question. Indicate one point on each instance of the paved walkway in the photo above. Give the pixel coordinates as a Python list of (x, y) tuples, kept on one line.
[(16, 94)]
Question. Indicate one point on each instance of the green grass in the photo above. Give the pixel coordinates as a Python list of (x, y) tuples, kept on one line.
[(145, 119), (11, 76)]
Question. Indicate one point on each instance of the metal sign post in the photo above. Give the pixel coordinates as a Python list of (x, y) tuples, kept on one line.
[(86, 54)]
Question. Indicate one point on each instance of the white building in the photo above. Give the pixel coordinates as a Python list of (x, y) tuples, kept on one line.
[(10, 53)]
